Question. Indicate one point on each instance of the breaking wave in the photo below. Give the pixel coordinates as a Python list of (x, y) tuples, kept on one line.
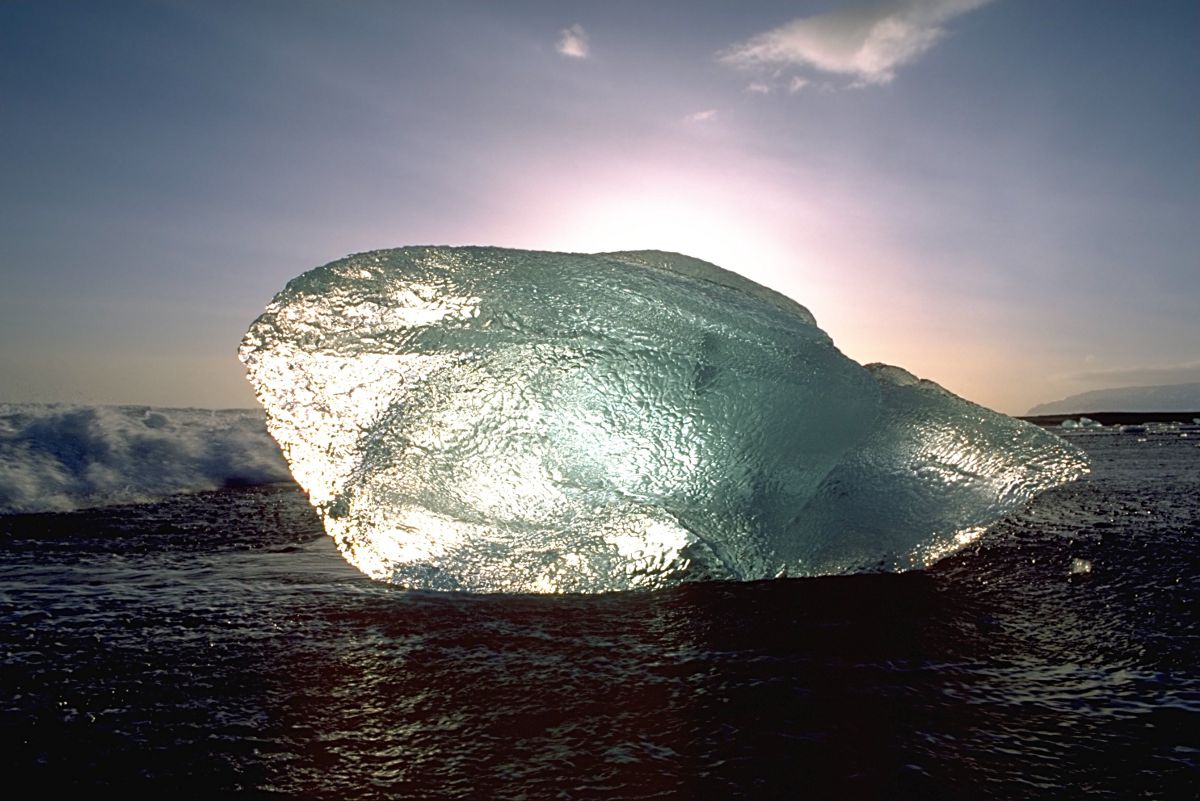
[(56, 458)]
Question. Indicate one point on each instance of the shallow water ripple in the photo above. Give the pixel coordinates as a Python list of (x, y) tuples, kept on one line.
[(218, 642)]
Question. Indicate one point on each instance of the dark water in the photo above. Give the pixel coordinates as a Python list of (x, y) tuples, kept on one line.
[(216, 642)]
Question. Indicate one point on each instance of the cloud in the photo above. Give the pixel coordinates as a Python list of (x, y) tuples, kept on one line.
[(866, 42), (573, 42), (796, 84), (758, 88), (1150, 375), (708, 115)]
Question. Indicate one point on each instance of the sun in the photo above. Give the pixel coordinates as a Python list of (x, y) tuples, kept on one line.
[(697, 222)]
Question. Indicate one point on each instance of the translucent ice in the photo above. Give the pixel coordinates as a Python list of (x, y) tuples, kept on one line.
[(498, 420)]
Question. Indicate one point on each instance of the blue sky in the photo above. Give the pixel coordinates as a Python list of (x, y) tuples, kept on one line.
[(1000, 196)]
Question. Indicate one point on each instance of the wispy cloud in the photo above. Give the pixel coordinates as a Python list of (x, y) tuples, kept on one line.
[(1150, 375), (867, 43), (573, 42), (708, 115), (758, 88)]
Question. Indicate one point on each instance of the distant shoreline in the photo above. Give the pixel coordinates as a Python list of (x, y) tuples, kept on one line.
[(1112, 418)]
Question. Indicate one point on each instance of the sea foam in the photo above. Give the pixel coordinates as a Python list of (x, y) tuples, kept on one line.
[(56, 458)]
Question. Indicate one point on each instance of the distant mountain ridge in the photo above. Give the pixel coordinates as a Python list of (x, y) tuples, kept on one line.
[(1163, 398)]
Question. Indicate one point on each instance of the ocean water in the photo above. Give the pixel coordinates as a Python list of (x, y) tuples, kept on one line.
[(216, 642)]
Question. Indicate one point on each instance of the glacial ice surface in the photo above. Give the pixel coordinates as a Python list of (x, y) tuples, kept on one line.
[(492, 420)]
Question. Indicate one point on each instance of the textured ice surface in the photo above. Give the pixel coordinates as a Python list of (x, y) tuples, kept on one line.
[(932, 474), (498, 420)]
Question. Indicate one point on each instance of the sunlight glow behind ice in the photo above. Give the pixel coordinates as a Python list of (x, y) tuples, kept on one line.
[(496, 420)]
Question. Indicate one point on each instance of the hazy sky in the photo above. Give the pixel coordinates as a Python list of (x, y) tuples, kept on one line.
[(1003, 197)]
